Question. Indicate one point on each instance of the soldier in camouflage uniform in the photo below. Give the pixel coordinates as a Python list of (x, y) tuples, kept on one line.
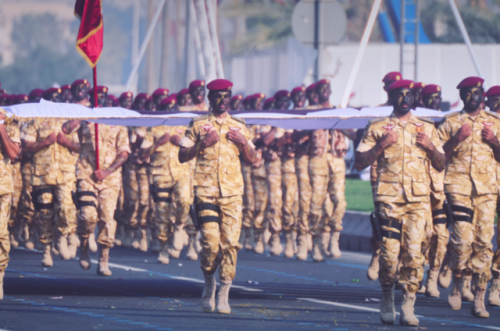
[(402, 144), (472, 148), (217, 140), (197, 92), (10, 142)]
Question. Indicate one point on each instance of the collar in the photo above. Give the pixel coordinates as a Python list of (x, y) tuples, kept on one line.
[(211, 118), (411, 119), (465, 115)]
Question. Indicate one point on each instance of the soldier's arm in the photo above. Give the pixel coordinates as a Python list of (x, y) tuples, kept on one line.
[(299, 134), (63, 140), (492, 140), (147, 152), (364, 159), (450, 144), (117, 163), (11, 147), (36, 146), (267, 138), (70, 126), (246, 149)]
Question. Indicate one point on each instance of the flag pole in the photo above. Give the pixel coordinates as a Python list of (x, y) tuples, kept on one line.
[(96, 125)]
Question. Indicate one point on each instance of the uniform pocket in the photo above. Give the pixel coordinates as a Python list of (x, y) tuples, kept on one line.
[(387, 189), (419, 187)]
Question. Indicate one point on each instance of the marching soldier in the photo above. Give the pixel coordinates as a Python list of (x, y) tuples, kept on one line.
[(126, 100), (236, 102), (79, 90), (158, 96), (268, 104), (431, 97), (312, 96), (102, 96), (417, 90), (35, 95), (168, 104), (184, 99), (216, 140), (401, 143), (298, 97), (52, 94), (472, 148), (66, 95), (197, 92)]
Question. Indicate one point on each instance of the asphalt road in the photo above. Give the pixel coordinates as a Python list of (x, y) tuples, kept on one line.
[(269, 293)]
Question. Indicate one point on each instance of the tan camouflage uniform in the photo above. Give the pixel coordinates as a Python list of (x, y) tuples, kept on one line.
[(17, 178), (218, 187), (290, 192), (248, 194), (26, 208), (336, 188), (305, 191), (403, 197), (261, 193), (53, 180), (471, 182), (6, 190), (103, 197)]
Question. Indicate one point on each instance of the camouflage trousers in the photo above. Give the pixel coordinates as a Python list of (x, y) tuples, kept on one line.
[(144, 199), (220, 223), (319, 212), (305, 193), (496, 258), (55, 210), (440, 235), (5, 201), (26, 212), (17, 178), (275, 203), (248, 196), (131, 195), (336, 191), (290, 201), (172, 201), (471, 240), (101, 213), (261, 196), (119, 214), (403, 231)]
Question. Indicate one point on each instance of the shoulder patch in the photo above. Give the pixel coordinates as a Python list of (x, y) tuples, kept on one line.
[(199, 118), (376, 120), (241, 120), (492, 114), (426, 120), (452, 114)]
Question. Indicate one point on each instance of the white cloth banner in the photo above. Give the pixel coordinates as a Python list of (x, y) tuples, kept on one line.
[(346, 118)]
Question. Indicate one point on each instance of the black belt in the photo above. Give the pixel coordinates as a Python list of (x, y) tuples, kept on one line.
[(389, 233), (207, 219)]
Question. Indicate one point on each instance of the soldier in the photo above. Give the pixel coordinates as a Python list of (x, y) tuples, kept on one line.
[(53, 94), (102, 96), (493, 103), (256, 101), (184, 98), (197, 92), (35, 95), (236, 103), (401, 143), (431, 99), (66, 95), (10, 142), (246, 102), (97, 190), (20, 99), (216, 140), (417, 90), (112, 101), (168, 104), (159, 95), (299, 97), (80, 92), (268, 104), (312, 96), (126, 100), (150, 105), (470, 139)]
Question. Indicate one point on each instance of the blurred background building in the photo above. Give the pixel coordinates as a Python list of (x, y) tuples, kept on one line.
[(259, 51)]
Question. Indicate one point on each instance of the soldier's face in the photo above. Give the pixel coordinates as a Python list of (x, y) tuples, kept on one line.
[(416, 96), (433, 101), (150, 105), (79, 92), (402, 100), (237, 105), (66, 96), (494, 103), (256, 104), (269, 106), (324, 92), (472, 97), (54, 97), (139, 104), (282, 103), (102, 99), (299, 99), (185, 100), (126, 103), (219, 101), (198, 94), (158, 99), (312, 97)]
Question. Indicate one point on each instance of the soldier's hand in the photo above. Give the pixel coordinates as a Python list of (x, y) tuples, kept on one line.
[(100, 174), (464, 132), (423, 140), (489, 136), (389, 138), (62, 139), (163, 140), (236, 137), (210, 139), (176, 140), (51, 138)]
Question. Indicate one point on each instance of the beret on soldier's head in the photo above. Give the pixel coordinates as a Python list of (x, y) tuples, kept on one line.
[(298, 89), (65, 87), (112, 97), (220, 85), (470, 82), (418, 86), (429, 89), (257, 96), (311, 87), (52, 90), (160, 91), (282, 94), (196, 83), (79, 82), (323, 81), (100, 89), (36, 93), (20, 97), (141, 96), (182, 92), (171, 100), (392, 77), (125, 95), (237, 97), (268, 101), (403, 83), (494, 90), (173, 95)]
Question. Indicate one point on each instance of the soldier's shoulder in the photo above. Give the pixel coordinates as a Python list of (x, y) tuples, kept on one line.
[(238, 119), (448, 116), (425, 119), (200, 118), (495, 115), (376, 120)]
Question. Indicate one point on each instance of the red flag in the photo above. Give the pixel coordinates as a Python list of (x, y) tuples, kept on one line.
[(90, 36)]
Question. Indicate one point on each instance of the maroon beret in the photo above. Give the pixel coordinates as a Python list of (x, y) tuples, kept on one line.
[(100, 89), (173, 95), (182, 92), (403, 83), (298, 89), (160, 91), (311, 87), (268, 101), (237, 97), (80, 81), (196, 83), (282, 94), (418, 86), (36, 93), (429, 89), (112, 97), (248, 98), (257, 96), (220, 85), (171, 100), (65, 87), (392, 77), (52, 90), (323, 81), (470, 82), (20, 97), (125, 95), (494, 90), (141, 96)]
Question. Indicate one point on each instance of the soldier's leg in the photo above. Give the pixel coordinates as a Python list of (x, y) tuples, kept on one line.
[(119, 216), (182, 194), (43, 199), (319, 185), (5, 201), (246, 239), (131, 193), (290, 195), (438, 244), (305, 195), (163, 211), (87, 218), (27, 210), (494, 293), (15, 225), (275, 209), (373, 268), (337, 195), (65, 217), (261, 197), (141, 240)]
